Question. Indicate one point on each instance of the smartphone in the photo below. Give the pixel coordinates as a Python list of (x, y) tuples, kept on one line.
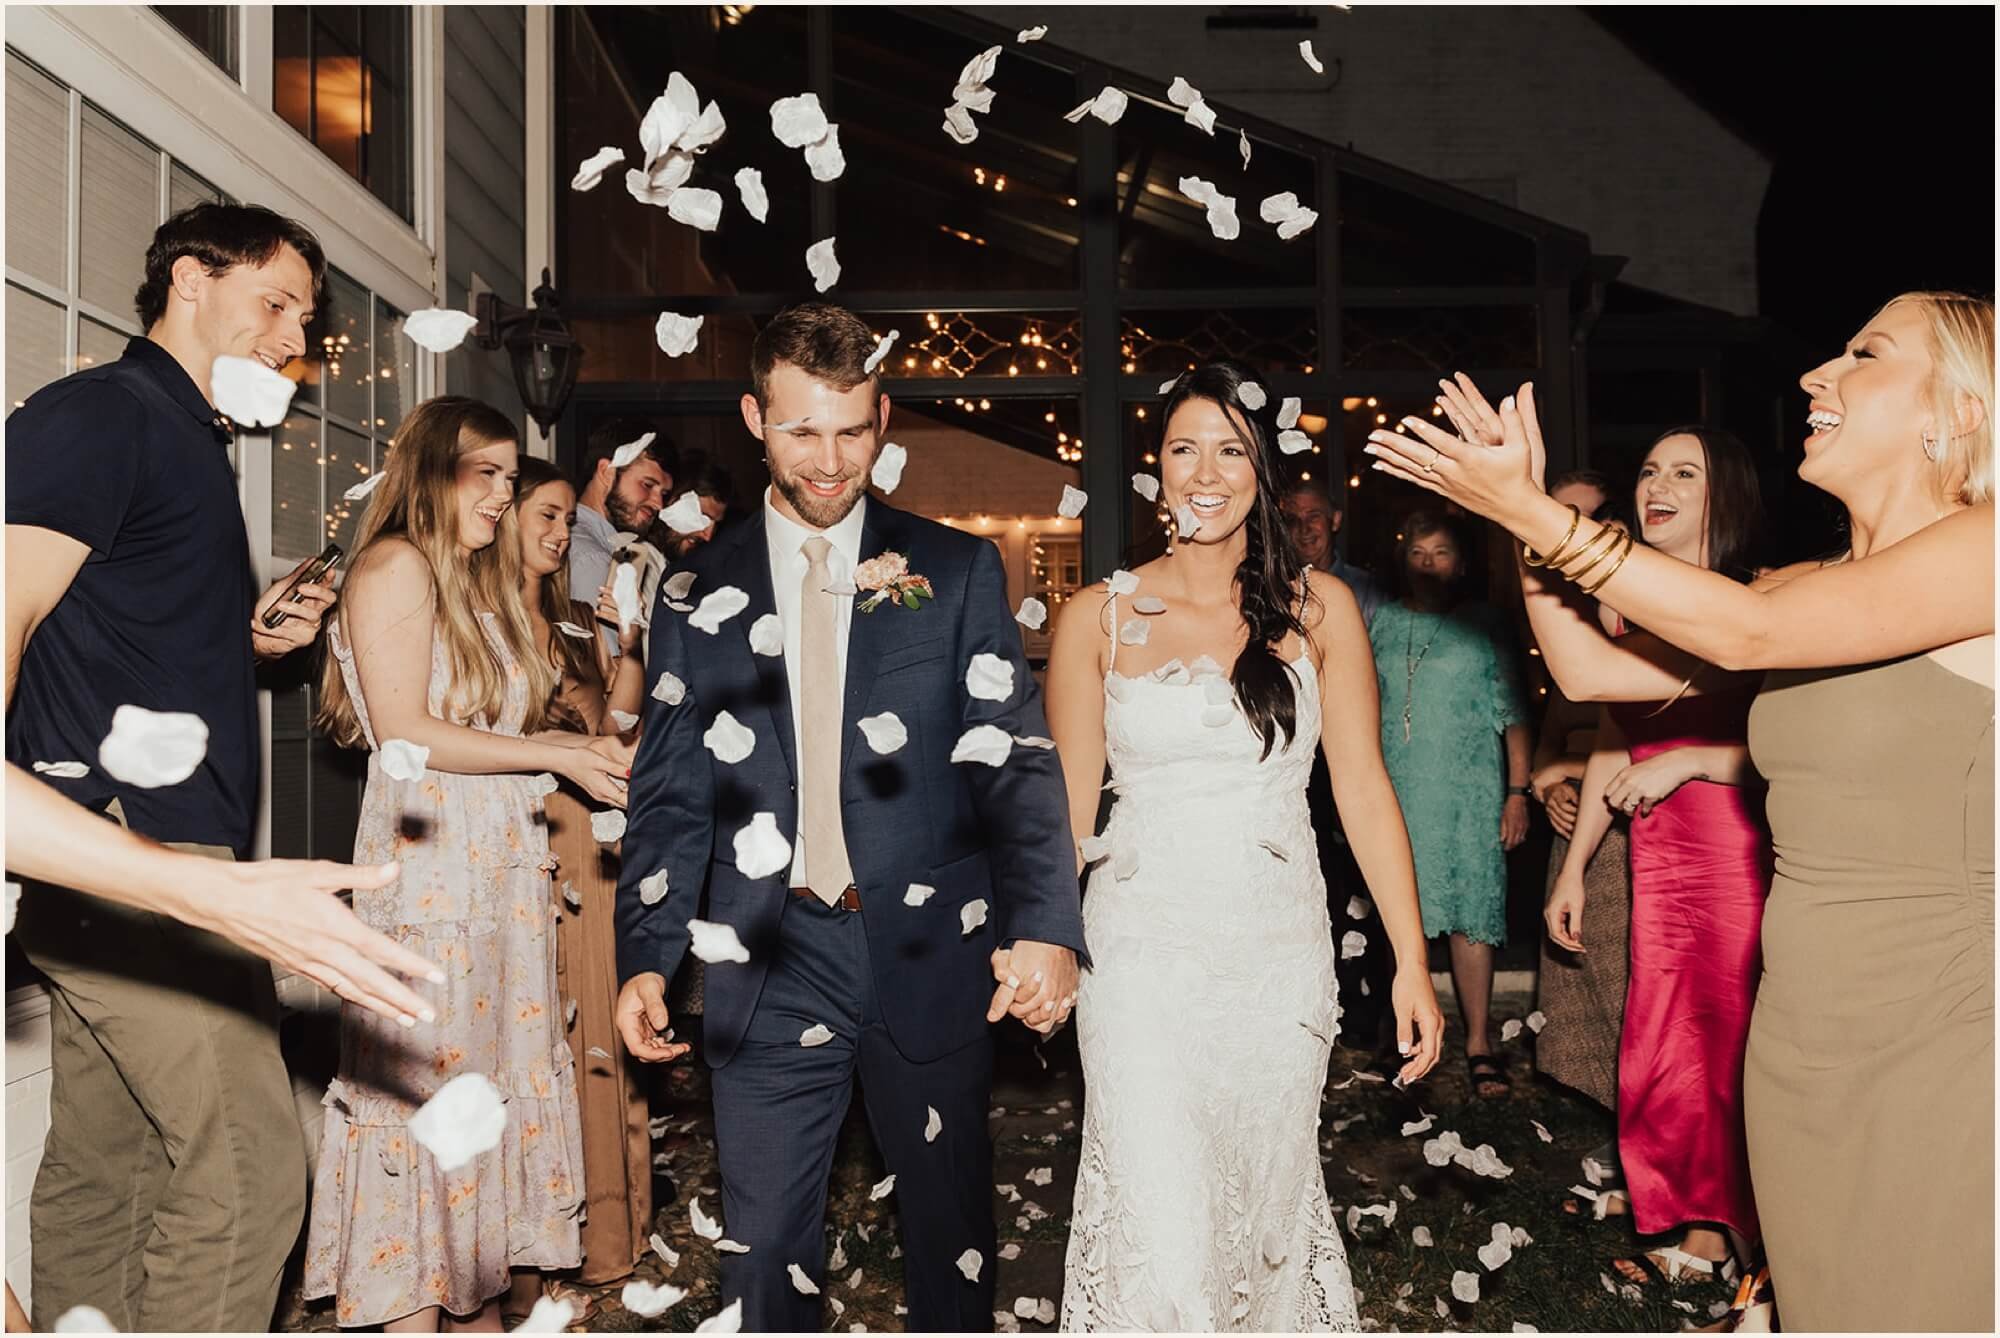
[(312, 575)]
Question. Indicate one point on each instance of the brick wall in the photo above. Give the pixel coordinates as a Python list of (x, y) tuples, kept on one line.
[(1537, 107)]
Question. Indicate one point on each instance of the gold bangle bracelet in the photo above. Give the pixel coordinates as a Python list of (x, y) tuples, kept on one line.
[(1607, 536), (1582, 573), (1556, 554), (1622, 555)]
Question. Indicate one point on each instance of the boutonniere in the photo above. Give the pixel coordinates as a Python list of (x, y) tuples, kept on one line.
[(889, 577)]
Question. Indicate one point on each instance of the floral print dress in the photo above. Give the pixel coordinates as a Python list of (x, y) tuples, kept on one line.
[(390, 1233)]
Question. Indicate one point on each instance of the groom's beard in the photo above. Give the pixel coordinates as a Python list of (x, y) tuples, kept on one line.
[(822, 513)]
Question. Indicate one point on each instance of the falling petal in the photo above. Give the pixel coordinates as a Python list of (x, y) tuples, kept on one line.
[(1443, 1310), (729, 1319), (251, 394), (881, 1188), (798, 121), (669, 116), (1134, 632), (677, 334), (150, 749), (1072, 503), (570, 629), (1465, 1287), (1149, 604), (678, 585), (980, 68), (607, 826), (1252, 395), (933, 1125), (437, 329), (1041, 1175), (1497, 1251), (1182, 93), (84, 1319), (1510, 1029), (1093, 848), (647, 189), (1291, 441), (571, 895), (767, 635), (1147, 486), (1220, 208), (1243, 146), (885, 733), (1542, 1132), (1357, 909), (825, 158), (624, 720), (632, 450), (1288, 411), (1536, 1021), (983, 743), (1594, 1172), (1306, 54), (652, 888), (669, 689), (1185, 520), (1078, 112), (1297, 224), (882, 347), (625, 594), (888, 471), (698, 207), (918, 894), (761, 849), (63, 770), (646, 1300), (1121, 582), (363, 488), (1034, 34), (820, 263), (990, 678), (1418, 1126), (1201, 116), (1032, 614), (403, 760), (1109, 105), (802, 1284), (971, 915), (750, 186), (465, 1118), (969, 1264), (704, 1226), (717, 607), (1167, 386), (550, 1315), (958, 124)]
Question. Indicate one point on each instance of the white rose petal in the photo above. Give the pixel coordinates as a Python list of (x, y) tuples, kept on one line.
[(403, 760), (918, 894), (1185, 520), (704, 1226), (1134, 632), (669, 116), (888, 470), (881, 1188), (767, 635), (825, 159), (1149, 604), (63, 770), (1510, 1029), (1147, 486), (1243, 147), (712, 941), (640, 187), (607, 826), (729, 1319), (1024, 1307), (13, 904), (971, 915), (1252, 395), (1201, 116), (251, 394), (646, 1300), (1536, 1021), (361, 490), (1352, 944), (1594, 1172), (1288, 411), (958, 124), (933, 1125), (750, 186), (685, 515), (625, 594), (1291, 441), (624, 720), (816, 1035), (706, 129), (678, 585), (1411, 1127), (1108, 105), (571, 895), (1093, 848), (550, 1315), (653, 887), (1121, 582), (800, 1282), (697, 207), (465, 1118), (990, 678), (1034, 34), (1465, 1287), (822, 265), (983, 743), (570, 629), (798, 121), (677, 335), (885, 733), (438, 329), (150, 749), (761, 849), (632, 450), (1306, 54), (1421, 1235), (1357, 909), (969, 1264), (84, 1319), (1298, 223), (718, 607), (1541, 1131), (669, 689), (1072, 503), (882, 347), (1220, 208), (1032, 614)]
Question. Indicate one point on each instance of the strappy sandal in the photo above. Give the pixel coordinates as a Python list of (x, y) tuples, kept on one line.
[(1614, 1202), (1671, 1265), (1486, 1071)]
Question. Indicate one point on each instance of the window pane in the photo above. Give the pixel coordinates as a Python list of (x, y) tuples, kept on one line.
[(395, 367), (343, 82), (97, 344), (295, 480), (1276, 339), (1164, 238), (290, 806), (1390, 237), (347, 463), (37, 173), (185, 190), (345, 355), (121, 207), (291, 66), (212, 28), (917, 210), (1439, 339), (385, 149), (615, 245), (34, 344), (946, 345)]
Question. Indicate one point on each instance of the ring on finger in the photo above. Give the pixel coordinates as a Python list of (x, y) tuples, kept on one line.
[(1430, 465)]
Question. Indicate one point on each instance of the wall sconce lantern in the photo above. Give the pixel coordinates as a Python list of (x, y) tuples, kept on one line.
[(544, 354)]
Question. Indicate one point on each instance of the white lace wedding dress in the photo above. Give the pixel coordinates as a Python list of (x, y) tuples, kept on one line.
[(1205, 1026)]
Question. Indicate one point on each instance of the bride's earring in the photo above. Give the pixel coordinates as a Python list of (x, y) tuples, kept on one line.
[(1932, 451)]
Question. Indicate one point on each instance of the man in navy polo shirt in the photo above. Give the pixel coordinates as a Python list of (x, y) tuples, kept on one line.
[(172, 1184)]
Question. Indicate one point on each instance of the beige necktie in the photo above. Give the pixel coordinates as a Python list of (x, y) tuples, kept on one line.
[(827, 871)]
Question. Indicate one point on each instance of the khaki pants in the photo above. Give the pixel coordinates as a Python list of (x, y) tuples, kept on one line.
[(173, 1180)]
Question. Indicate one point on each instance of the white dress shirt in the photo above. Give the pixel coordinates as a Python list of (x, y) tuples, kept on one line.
[(786, 538)]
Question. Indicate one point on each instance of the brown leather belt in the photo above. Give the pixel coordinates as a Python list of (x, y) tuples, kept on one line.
[(850, 900)]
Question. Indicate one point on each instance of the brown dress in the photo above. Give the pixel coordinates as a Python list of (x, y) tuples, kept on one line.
[(1583, 994), (617, 1157), (1869, 1079)]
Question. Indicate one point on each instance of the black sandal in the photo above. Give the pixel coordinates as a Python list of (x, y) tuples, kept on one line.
[(1487, 1071)]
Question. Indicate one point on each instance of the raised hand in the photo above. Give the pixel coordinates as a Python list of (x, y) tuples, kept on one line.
[(1491, 481), (1469, 412)]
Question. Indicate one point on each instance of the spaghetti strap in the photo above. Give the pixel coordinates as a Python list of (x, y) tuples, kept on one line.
[(1111, 608)]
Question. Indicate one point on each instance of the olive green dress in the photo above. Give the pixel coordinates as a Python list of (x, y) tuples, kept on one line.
[(1868, 1083)]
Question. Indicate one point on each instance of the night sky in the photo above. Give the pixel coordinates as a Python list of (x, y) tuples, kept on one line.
[(1880, 125)]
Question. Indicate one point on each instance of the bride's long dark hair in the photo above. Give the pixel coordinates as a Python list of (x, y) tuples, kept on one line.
[(1267, 580)]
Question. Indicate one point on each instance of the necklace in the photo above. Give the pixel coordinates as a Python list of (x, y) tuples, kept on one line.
[(1413, 660)]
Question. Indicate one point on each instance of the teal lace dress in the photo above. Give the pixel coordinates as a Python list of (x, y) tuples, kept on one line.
[(1456, 675)]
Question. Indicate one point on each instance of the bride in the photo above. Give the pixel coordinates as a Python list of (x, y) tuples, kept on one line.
[(1208, 677)]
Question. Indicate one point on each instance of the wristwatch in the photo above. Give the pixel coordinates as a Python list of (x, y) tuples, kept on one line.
[(1521, 790)]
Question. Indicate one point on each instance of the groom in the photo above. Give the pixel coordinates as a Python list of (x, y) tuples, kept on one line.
[(871, 926)]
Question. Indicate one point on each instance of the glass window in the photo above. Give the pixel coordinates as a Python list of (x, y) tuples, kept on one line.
[(347, 463), (34, 344), (97, 343), (1392, 238), (121, 207), (37, 173), (1275, 339), (212, 28), (395, 370), (291, 836), (345, 356), (1439, 339), (185, 190), (341, 77), (295, 482)]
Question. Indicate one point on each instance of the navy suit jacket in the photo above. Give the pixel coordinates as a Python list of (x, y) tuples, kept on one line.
[(971, 831)]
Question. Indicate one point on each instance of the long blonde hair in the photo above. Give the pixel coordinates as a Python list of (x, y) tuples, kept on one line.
[(418, 502), (1960, 334)]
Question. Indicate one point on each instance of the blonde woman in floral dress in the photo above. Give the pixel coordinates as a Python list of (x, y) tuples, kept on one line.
[(432, 647)]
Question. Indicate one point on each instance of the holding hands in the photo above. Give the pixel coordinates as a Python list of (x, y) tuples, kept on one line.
[(1037, 984)]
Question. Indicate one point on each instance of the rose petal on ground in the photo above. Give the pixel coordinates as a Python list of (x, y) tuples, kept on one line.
[(1594, 1172), (798, 121), (1542, 1132), (463, 1119), (1465, 1287), (1421, 1235), (438, 329), (669, 689), (550, 1315), (825, 159), (697, 207), (761, 849), (1032, 614), (251, 394), (729, 1319), (1306, 54), (677, 334), (969, 1264), (881, 1188), (983, 743), (150, 749), (1418, 1126), (1072, 503), (885, 732), (403, 760), (822, 265), (989, 677), (717, 607)]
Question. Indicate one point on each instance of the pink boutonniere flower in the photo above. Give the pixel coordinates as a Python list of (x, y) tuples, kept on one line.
[(889, 578)]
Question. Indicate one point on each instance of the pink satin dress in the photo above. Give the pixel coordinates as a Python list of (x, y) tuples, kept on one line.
[(1701, 869)]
